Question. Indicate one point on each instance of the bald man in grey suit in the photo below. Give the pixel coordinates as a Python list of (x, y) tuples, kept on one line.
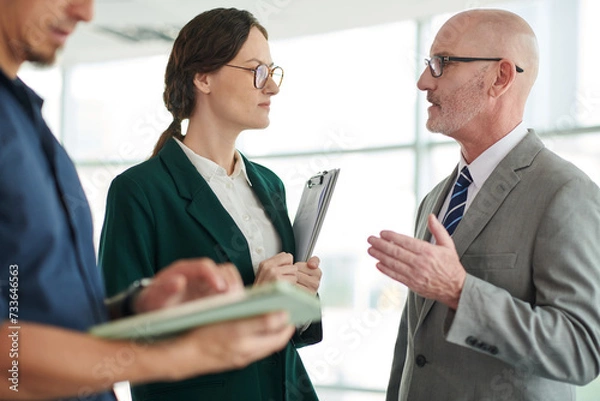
[(507, 307)]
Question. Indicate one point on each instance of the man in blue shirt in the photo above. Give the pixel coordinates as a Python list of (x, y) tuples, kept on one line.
[(50, 288)]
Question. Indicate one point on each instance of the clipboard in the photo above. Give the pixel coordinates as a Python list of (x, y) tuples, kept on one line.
[(311, 211), (301, 306)]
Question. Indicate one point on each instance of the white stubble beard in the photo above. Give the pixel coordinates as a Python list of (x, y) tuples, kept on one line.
[(458, 108)]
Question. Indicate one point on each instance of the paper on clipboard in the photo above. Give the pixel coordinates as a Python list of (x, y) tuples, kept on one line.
[(311, 211)]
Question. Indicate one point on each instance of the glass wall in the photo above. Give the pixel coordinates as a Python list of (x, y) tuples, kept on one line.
[(348, 100)]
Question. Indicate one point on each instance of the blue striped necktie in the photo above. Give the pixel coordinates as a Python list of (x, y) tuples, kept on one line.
[(458, 201)]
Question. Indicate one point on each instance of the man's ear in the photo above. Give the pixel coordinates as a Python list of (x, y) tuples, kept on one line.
[(202, 82), (505, 76)]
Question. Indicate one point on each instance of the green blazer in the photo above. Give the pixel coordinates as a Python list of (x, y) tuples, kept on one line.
[(163, 210)]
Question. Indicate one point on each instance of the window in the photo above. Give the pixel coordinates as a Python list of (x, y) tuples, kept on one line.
[(351, 108)]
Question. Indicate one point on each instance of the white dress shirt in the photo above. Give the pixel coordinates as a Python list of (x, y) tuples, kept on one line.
[(482, 167), (236, 196)]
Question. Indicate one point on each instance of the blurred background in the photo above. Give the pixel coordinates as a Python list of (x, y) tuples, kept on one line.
[(348, 100)]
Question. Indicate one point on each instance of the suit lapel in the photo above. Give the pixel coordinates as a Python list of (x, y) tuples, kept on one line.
[(431, 204), (274, 204), (495, 190), (487, 202), (205, 208)]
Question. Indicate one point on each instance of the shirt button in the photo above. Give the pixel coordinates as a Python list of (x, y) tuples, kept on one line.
[(420, 360), (246, 217), (260, 250), (228, 185), (472, 341)]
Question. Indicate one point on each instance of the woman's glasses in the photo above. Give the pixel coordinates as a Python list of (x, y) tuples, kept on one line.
[(262, 73)]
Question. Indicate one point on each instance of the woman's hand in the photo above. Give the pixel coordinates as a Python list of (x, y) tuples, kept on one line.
[(277, 268), (309, 275)]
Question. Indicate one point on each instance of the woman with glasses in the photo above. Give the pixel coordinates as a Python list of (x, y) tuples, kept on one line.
[(197, 196)]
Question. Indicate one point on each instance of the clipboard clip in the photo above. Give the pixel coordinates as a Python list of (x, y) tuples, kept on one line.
[(316, 180)]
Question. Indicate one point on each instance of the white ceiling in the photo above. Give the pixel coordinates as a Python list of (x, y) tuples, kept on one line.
[(153, 22)]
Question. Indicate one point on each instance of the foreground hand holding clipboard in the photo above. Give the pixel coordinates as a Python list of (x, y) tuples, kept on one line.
[(311, 212), (301, 306)]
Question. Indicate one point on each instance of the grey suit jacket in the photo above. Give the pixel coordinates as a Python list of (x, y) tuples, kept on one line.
[(528, 322)]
